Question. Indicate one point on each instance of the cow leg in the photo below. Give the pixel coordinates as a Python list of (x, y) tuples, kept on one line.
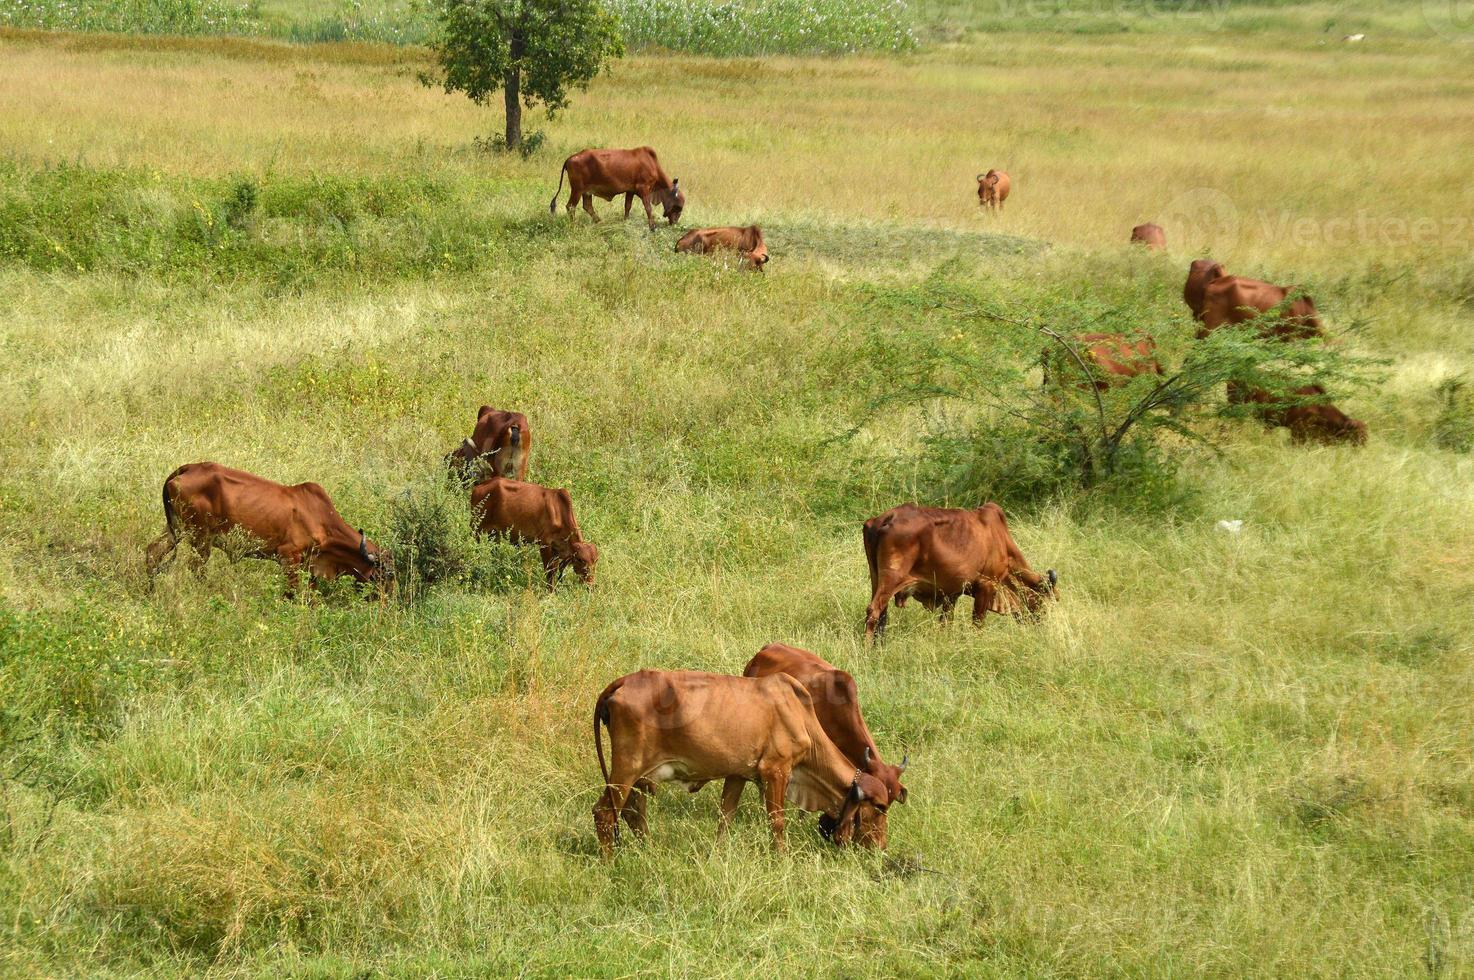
[(199, 554), (294, 567), (629, 202), (983, 594), (731, 795), (945, 605), (159, 550), (775, 787), (552, 564), (634, 812), (588, 205), (876, 613), (649, 215), (606, 815)]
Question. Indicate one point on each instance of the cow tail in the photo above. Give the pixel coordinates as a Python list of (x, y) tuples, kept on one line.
[(601, 714), (553, 204), (170, 517)]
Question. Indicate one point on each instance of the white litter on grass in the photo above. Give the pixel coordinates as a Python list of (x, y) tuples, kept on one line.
[(1232, 527), (1353, 38)]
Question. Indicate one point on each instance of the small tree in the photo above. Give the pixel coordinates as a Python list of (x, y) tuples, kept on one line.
[(533, 50), (971, 365)]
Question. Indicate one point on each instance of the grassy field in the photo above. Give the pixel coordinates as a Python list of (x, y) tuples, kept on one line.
[(1219, 754)]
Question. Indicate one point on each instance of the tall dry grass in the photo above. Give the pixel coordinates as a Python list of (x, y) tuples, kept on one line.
[(1220, 754)]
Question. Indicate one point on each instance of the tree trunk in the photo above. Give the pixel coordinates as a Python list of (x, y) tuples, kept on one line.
[(512, 90)]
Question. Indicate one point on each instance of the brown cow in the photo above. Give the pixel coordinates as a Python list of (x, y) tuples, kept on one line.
[(695, 727), (993, 188), (939, 555), (1199, 274), (499, 445), (1150, 235), (746, 242), (1319, 421), (1217, 299), (836, 705), (297, 526), (1113, 355), (526, 513), (633, 173)]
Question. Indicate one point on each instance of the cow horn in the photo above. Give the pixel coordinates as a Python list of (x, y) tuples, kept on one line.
[(468, 443), (905, 761), (1053, 578), (363, 547), (867, 758)]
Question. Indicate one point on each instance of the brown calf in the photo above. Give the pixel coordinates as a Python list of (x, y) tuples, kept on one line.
[(297, 526), (837, 706), (1150, 235), (993, 188), (939, 555), (693, 727), (746, 242), (526, 513), (1318, 421), (606, 173), (499, 445)]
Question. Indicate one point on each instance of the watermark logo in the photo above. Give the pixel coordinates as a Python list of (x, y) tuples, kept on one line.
[(1202, 221), (1452, 20)]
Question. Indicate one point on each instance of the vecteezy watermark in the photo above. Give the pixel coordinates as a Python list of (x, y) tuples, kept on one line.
[(1450, 19), (1205, 221), (1198, 222), (1363, 228)]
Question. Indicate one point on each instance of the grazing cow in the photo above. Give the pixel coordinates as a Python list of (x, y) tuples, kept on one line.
[(1319, 421), (1150, 235), (1217, 299), (297, 526), (694, 727), (525, 513), (499, 446), (633, 173), (993, 188), (1116, 359), (836, 705), (939, 555), (746, 242)]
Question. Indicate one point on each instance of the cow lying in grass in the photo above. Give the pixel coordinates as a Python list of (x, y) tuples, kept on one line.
[(746, 242)]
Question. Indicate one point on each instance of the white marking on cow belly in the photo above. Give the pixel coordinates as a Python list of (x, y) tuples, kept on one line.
[(662, 773)]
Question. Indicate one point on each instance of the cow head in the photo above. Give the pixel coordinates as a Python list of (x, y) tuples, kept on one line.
[(860, 818), (673, 201), (889, 775), (1199, 275), (379, 564), (757, 258), (583, 558), (1034, 596)]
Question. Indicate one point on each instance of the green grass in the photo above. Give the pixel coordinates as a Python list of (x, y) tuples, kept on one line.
[(1219, 754)]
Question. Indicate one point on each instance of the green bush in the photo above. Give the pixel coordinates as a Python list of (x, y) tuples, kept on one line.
[(1454, 427), (1008, 408)]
